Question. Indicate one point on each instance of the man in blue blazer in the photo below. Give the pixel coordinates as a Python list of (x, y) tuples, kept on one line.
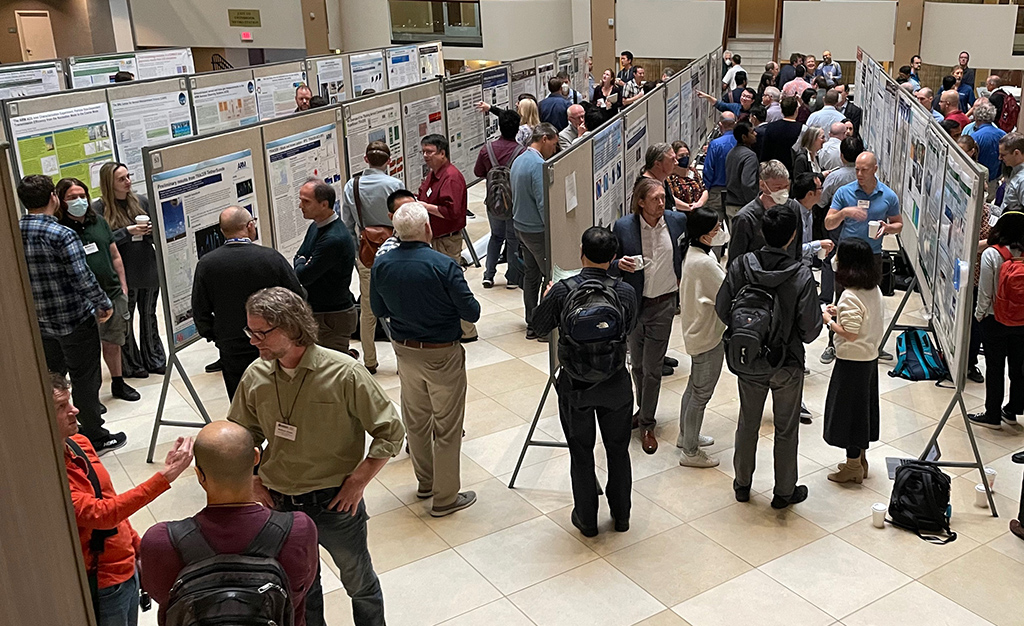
[(651, 246)]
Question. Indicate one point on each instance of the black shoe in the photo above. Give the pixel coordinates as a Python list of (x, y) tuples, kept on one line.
[(667, 371), (799, 495), (530, 335), (212, 368), (124, 391), (621, 526), (470, 213), (883, 355), (742, 493), (112, 442), (139, 373), (544, 338), (468, 339), (586, 532), (975, 375), (671, 362), (103, 409), (982, 419), (159, 371), (1018, 457), (1009, 417)]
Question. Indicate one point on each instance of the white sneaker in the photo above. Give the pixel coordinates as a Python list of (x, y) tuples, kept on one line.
[(701, 459), (704, 441)]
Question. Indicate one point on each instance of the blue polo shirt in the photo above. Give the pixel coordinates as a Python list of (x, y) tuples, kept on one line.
[(714, 160), (884, 204), (987, 137)]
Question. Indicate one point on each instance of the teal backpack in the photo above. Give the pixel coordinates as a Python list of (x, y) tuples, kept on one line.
[(917, 359)]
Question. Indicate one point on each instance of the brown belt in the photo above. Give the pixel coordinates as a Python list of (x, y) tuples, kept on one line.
[(661, 298), (412, 343), (451, 234)]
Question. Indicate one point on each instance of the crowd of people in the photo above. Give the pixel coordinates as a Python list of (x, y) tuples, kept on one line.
[(786, 187)]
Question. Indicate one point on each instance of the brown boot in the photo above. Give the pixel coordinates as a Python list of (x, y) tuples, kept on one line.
[(851, 471), (864, 461)]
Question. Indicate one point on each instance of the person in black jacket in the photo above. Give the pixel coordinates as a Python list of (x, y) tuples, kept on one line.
[(800, 322), (580, 402), (224, 280), (746, 235), (741, 171)]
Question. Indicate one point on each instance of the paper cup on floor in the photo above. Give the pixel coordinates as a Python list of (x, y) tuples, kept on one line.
[(990, 476), (980, 497), (878, 510)]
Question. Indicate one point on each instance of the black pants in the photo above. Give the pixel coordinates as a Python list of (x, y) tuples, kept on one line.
[(233, 365), (1003, 344), (78, 353), (148, 354), (611, 403), (976, 335)]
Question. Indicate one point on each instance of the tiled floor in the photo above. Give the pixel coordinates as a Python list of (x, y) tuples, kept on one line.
[(693, 555)]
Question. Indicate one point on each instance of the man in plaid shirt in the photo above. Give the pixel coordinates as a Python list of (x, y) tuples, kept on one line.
[(69, 302)]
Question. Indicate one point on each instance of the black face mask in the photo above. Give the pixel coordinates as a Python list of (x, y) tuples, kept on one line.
[(684, 161)]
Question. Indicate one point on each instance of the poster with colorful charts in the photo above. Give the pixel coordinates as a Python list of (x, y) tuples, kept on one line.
[(609, 194), (465, 122), (367, 73), (403, 66), (100, 70), (495, 92), (636, 148), (161, 63), (150, 120), (275, 94), (73, 142), (421, 118), (382, 123), (31, 79), (223, 107), (330, 78)]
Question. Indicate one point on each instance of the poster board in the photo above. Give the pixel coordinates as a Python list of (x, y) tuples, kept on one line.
[(326, 76), (636, 142), (164, 62), (189, 184), (223, 100), (466, 125), (294, 150), (656, 116), (607, 172), (524, 78), (686, 96), (367, 73), (580, 73), (145, 114), (547, 67), (86, 71), (61, 135), (672, 108), (373, 118), (422, 114), (275, 88), (431, 56), (403, 66), (570, 208), (496, 86), (31, 79)]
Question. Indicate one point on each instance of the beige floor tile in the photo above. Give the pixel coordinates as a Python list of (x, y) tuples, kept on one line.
[(903, 549), (925, 399), (523, 402), (687, 492), (434, 589), (498, 556), (552, 426), (822, 572), (721, 429), (505, 376), (978, 581), (498, 453), (832, 505), (642, 464), (482, 353), (678, 564), (914, 604), (646, 519), (757, 533), (399, 537), (338, 608), (955, 446), (764, 468), (496, 507), (1009, 477), (500, 612), (501, 323), (139, 429), (665, 618), (594, 594), (485, 417), (751, 598), (1007, 437), (975, 522), (896, 421), (1009, 544), (378, 499), (540, 361), (400, 479), (142, 519), (518, 345), (547, 485)]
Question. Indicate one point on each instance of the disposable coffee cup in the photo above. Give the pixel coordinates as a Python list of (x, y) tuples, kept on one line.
[(878, 510), (140, 220), (822, 253), (639, 260), (980, 497), (873, 227), (990, 476)]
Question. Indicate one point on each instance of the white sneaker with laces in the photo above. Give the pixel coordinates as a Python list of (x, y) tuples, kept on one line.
[(701, 459)]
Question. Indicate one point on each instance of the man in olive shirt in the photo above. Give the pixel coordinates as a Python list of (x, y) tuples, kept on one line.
[(314, 407)]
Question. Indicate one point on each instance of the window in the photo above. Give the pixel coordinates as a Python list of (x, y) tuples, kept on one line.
[(453, 23)]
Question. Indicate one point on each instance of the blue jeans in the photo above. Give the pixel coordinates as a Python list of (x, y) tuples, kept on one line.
[(502, 232), (119, 605)]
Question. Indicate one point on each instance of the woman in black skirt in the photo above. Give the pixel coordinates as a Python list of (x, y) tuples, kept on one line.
[(851, 408)]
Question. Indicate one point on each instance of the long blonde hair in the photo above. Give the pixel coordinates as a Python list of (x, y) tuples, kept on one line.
[(116, 216), (528, 113)]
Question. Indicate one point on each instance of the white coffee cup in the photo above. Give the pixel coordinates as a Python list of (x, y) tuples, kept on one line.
[(140, 220), (873, 227), (980, 497), (639, 260), (878, 510), (822, 253), (990, 476)]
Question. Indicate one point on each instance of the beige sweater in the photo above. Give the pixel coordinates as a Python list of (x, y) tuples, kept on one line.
[(860, 311), (702, 277)]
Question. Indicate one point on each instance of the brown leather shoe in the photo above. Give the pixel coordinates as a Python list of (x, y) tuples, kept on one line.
[(650, 443), (636, 421), (1016, 528)]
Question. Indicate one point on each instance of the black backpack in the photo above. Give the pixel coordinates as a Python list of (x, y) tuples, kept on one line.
[(592, 331), (499, 185), (920, 501), (754, 343), (244, 589)]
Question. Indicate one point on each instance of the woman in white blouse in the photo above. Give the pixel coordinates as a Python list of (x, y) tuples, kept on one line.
[(851, 407)]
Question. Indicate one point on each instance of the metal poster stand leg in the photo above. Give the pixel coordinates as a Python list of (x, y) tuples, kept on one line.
[(533, 427), (894, 324), (472, 250), (172, 363)]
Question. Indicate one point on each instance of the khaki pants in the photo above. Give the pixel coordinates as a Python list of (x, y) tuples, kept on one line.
[(336, 329), (367, 320), (433, 408), (451, 247)]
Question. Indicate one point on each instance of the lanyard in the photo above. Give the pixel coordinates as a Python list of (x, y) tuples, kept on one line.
[(239, 240), (288, 418)]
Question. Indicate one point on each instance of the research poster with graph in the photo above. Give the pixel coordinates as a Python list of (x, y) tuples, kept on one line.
[(367, 73), (73, 142), (608, 189), (330, 77), (636, 148), (87, 72), (275, 95), (188, 202), (465, 124), (431, 62), (403, 65), (223, 107), (148, 121), (31, 80), (496, 91), (291, 162), (420, 118), (160, 63), (383, 123)]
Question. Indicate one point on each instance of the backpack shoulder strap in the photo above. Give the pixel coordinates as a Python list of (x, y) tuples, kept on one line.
[(1004, 252), (490, 153), (515, 154), (188, 540), (268, 542), (355, 196)]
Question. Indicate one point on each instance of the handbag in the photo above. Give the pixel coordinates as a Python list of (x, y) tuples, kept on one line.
[(371, 238)]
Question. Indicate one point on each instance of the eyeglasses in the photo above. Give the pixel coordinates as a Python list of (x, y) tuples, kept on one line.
[(259, 335)]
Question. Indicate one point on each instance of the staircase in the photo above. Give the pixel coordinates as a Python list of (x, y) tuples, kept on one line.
[(755, 52)]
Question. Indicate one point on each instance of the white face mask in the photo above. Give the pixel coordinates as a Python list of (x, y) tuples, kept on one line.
[(78, 207), (728, 62), (721, 237), (780, 197), (835, 263)]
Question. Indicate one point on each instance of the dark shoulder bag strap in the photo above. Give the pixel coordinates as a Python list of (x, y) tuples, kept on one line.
[(188, 541), (98, 537), (268, 542), (355, 195)]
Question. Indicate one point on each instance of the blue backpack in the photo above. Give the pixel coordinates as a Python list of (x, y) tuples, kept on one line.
[(916, 359)]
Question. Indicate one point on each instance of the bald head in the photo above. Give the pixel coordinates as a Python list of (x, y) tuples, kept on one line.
[(837, 130), (993, 82), (727, 120), (234, 222), (225, 454), (949, 101)]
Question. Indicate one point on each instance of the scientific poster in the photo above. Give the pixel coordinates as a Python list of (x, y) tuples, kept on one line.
[(672, 114), (686, 114), (90, 71), (928, 232), (582, 73), (420, 118), (431, 63), (292, 161), (609, 195), (952, 259), (160, 63), (901, 145), (383, 123), (148, 121), (367, 73), (524, 79), (636, 147), (222, 107), (564, 60), (72, 142), (31, 80), (496, 92), (403, 66), (545, 72), (330, 76), (275, 95), (189, 201), (697, 134), (465, 124)]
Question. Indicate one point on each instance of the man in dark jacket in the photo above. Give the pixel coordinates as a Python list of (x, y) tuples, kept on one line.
[(746, 234), (741, 171), (799, 322)]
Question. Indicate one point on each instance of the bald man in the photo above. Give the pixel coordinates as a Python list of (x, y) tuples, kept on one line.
[(829, 157), (225, 456), (949, 106), (224, 279), (574, 130)]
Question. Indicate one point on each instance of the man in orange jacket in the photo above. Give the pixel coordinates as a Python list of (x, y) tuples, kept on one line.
[(109, 543)]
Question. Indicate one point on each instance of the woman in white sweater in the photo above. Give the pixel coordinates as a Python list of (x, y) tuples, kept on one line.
[(702, 334), (851, 407)]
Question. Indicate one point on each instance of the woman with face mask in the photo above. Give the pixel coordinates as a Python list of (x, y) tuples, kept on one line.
[(104, 260), (685, 181)]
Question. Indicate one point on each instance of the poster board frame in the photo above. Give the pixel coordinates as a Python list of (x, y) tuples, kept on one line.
[(408, 95), (214, 79)]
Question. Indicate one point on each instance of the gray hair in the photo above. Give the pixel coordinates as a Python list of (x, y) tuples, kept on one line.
[(773, 170), (773, 93), (655, 153), (284, 309), (409, 220), (543, 131), (984, 112), (810, 134)]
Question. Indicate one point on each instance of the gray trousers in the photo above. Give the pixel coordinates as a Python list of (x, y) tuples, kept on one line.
[(647, 346), (705, 369), (537, 270), (787, 386), (716, 201)]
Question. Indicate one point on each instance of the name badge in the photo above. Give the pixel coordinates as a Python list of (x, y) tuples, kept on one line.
[(91, 248), (285, 431), (429, 191)]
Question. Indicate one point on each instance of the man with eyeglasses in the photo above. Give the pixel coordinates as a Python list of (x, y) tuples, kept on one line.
[(224, 279), (315, 407)]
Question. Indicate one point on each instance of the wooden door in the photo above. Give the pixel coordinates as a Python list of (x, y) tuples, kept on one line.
[(35, 35), (755, 17)]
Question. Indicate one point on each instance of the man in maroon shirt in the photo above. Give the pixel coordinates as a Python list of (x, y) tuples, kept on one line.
[(443, 194), (225, 456)]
